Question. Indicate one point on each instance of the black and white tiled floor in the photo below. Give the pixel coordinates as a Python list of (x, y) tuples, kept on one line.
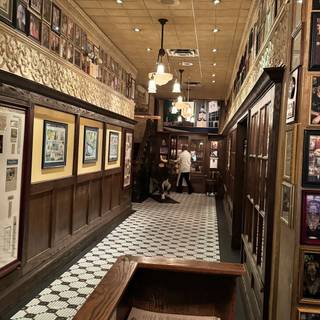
[(187, 230)]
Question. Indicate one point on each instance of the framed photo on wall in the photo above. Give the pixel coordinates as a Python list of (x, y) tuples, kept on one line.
[(113, 151), (310, 277), (90, 144), (36, 5), (292, 96), (310, 224), (34, 27), (127, 159), (311, 159), (315, 4), (54, 148), (64, 24), (45, 35), (286, 203), (308, 314), (6, 9), (56, 19), (315, 101), (314, 57), (21, 16), (47, 10), (289, 155)]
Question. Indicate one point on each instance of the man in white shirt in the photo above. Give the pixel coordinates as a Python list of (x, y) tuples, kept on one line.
[(184, 159)]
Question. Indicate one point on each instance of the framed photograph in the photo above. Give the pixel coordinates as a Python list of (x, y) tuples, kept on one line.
[(127, 159), (56, 19), (290, 153), (77, 57), (34, 27), (292, 96), (21, 16), (309, 314), (6, 10), (113, 151), (310, 277), (54, 149), (83, 40), (64, 24), (77, 36), (315, 101), (47, 10), (70, 30), (54, 43), (310, 224), (314, 59), (315, 4), (311, 159), (90, 144), (70, 52), (45, 35), (296, 51), (36, 5), (286, 203), (64, 48)]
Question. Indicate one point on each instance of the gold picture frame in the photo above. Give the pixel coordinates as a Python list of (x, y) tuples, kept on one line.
[(287, 202), (289, 153), (302, 312)]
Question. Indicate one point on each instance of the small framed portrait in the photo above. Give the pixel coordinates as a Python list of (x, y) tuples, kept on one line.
[(113, 150), (70, 52), (64, 24), (314, 56), (70, 29), (64, 48), (54, 149), (77, 57), (315, 101), (311, 159), (47, 10), (296, 51), (56, 19), (77, 36), (34, 27), (21, 16), (292, 96), (54, 43), (45, 35), (315, 4), (310, 224), (286, 203), (6, 10), (83, 40), (127, 159), (36, 5), (289, 153), (308, 314), (90, 144), (310, 276)]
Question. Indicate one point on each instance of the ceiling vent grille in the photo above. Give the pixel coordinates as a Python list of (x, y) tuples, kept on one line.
[(170, 2), (193, 83), (183, 53)]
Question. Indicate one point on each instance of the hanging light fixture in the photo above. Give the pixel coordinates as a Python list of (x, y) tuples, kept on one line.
[(160, 76), (174, 109), (152, 88), (177, 85)]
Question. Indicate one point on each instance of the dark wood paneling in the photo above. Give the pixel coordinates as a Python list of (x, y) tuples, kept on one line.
[(63, 213), (107, 194), (95, 199), (116, 188), (39, 224), (81, 206)]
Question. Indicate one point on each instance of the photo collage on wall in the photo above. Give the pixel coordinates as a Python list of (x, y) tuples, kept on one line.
[(310, 198), (46, 23)]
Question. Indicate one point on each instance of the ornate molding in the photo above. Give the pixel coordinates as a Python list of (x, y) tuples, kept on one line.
[(273, 54), (23, 57)]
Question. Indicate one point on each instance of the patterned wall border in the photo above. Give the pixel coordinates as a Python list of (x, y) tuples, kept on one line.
[(23, 57)]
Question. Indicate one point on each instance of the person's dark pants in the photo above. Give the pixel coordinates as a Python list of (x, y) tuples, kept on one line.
[(186, 177)]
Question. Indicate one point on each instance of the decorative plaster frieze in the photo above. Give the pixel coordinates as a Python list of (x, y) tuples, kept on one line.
[(22, 57), (273, 54)]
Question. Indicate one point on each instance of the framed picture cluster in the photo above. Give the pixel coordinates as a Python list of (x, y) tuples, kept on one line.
[(46, 23)]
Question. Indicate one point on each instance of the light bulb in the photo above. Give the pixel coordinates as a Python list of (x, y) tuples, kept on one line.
[(179, 118), (176, 87), (180, 99), (174, 110), (160, 68)]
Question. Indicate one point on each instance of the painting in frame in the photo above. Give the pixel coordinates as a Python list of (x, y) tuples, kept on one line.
[(310, 277), (34, 27), (21, 15), (56, 19), (36, 6), (292, 96), (310, 223), (286, 203), (113, 150), (315, 4), (127, 159), (314, 56), (315, 101), (90, 144), (47, 10), (45, 35), (6, 10), (311, 159), (308, 314), (289, 153), (54, 148)]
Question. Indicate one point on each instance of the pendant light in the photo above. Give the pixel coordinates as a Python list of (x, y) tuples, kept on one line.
[(152, 88), (177, 85)]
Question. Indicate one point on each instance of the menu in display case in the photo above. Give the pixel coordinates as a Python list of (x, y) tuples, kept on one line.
[(12, 124), (197, 150)]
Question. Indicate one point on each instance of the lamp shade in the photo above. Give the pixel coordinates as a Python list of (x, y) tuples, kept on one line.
[(161, 79), (152, 88), (160, 68), (176, 87)]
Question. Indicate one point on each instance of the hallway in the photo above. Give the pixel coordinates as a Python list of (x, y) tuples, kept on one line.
[(187, 229)]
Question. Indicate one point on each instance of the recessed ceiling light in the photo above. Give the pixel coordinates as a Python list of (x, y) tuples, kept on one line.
[(149, 49), (215, 30), (213, 81), (214, 75), (214, 64), (119, 1), (216, 1), (136, 29), (214, 50)]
